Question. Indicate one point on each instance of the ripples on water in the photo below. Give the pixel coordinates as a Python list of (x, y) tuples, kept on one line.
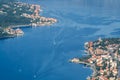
[(43, 52)]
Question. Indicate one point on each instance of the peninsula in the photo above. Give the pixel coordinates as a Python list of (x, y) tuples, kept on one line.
[(18, 14), (103, 57)]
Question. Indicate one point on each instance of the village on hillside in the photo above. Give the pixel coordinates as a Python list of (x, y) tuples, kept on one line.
[(18, 14), (103, 57)]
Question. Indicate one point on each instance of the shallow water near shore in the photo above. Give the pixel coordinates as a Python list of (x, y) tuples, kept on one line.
[(43, 52)]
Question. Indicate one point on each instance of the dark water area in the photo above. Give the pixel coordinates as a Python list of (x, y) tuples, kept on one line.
[(43, 52)]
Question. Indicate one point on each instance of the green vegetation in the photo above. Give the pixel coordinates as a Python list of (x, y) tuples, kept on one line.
[(11, 14), (85, 58), (14, 13), (2, 33)]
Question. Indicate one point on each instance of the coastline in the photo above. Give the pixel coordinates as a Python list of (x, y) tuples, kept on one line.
[(35, 20), (103, 60), (23, 26)]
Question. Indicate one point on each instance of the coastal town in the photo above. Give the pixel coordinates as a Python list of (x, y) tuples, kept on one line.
[(19, 14), (103, 56), (36, 19)]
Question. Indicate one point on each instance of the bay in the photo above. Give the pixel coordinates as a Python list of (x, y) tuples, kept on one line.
[(43, 52)]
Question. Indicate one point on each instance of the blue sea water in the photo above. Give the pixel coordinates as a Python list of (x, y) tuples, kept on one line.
[(43, 52)]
